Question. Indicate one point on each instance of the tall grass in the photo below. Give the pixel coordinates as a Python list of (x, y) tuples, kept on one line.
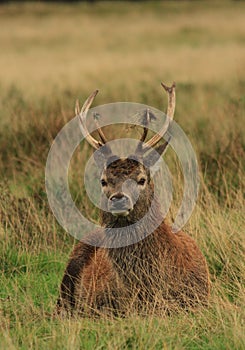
[(50, 55)]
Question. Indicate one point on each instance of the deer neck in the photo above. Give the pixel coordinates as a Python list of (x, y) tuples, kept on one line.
[(134, 252)]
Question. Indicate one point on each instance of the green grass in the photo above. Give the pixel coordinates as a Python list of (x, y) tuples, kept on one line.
[(52, 54)]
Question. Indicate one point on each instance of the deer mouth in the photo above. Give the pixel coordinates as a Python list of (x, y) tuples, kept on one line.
[(120, 212)]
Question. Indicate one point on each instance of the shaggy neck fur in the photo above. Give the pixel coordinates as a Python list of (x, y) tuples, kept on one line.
[(135, 256)]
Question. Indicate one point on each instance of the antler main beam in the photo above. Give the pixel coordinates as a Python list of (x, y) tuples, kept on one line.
[(82, 118), (170, 114)]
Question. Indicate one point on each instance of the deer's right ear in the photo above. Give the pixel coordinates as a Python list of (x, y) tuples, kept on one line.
[(100, 158), (102, 155)]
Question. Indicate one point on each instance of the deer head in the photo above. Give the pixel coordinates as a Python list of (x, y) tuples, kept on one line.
[(127, 185)]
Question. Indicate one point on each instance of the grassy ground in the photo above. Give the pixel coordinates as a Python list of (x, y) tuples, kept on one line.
[(50, 55)]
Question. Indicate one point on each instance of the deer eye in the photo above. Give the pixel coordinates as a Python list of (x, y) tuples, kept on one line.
[(141, 181), (103, 182)]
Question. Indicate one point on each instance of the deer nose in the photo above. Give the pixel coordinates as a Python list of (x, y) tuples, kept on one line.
[(119, 202)]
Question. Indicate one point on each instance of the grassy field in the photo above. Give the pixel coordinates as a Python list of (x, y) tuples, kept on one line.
[(51, 55)]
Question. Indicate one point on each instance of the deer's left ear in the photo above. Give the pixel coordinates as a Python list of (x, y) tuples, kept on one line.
[(152, 159)]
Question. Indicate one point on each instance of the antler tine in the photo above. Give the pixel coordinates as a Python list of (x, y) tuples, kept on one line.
[(148, 115), (171, 99), (100, 132), (82, 118), (146, 123), (143, 136), (170, 114)]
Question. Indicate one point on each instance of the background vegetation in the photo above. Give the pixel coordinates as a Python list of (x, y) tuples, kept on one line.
[(52, 54)]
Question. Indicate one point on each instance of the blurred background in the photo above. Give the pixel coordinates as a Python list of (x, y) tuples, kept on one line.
[(54, 53), (120, 45)]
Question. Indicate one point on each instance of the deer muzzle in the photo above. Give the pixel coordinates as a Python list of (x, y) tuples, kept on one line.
[(120, 204)]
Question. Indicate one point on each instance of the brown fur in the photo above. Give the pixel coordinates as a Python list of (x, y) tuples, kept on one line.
[(160, 273)]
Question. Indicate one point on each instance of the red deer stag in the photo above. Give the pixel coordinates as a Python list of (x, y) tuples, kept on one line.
[(161, 272)]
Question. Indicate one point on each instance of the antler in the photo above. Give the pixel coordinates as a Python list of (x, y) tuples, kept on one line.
[(102, 135), (171, 99), (82, 118), (148, 116), (170, 114)]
